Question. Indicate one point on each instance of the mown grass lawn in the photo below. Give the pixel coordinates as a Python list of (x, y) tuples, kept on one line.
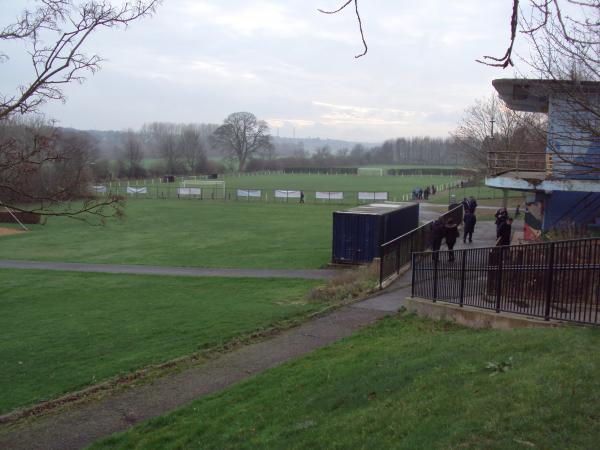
[(62, 331), (395, 185), (187, 233), (405, 383)]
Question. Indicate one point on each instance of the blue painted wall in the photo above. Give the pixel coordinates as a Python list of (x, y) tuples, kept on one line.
[(581, 208)]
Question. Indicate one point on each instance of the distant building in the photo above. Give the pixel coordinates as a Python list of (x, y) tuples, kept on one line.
[(563, 181)]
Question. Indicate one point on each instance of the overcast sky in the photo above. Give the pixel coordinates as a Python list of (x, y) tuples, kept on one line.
[(198, 61)]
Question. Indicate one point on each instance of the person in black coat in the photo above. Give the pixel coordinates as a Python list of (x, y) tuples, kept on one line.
[(501, 216), (437, 236), (470, 220), (504, 232), (451, 233), (472, 204)]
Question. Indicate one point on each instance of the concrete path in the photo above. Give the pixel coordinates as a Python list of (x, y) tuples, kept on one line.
[(81, 425), (176, 271)]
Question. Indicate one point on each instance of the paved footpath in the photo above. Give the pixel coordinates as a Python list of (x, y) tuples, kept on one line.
[(176, 271), (81, 425)]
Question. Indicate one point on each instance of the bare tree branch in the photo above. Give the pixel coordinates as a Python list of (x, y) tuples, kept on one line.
[(360, 27), (506, 60)]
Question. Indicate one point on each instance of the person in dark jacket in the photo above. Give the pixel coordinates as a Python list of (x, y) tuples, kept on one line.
[(451, 234), (437, 236), (470, 220), (472, 204), (504, 232), (501, 216)]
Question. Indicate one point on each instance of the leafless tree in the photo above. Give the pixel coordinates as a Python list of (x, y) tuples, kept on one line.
[(489, 128), (242, 136), (166, 137), (564, 42), (133, 155), (41, 166), (54, 33), (191, 148)]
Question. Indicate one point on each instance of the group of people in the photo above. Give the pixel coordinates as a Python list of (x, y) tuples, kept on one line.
[(423, 194), (448, 230)]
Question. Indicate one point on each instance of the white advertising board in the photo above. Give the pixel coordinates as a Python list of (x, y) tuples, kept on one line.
[(287, 194), (255, 193), (137, 190), (372, 195), (329, 195), (189, 191)]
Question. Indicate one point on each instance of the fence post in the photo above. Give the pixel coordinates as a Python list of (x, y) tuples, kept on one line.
[(549, 281), (462, 278), (381, 258), (499, 279)]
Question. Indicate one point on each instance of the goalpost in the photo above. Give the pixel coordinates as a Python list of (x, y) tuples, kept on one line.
[(372, 171), (204, 189)]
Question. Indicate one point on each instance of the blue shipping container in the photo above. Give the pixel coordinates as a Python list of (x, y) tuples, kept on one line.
[(359, 232)]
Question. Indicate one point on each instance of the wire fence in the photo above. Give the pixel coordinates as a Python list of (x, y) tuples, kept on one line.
[(555, 280), (170, 191)]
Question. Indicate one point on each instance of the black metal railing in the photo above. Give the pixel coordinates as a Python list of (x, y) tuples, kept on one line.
[(396, 254), (554, 280)]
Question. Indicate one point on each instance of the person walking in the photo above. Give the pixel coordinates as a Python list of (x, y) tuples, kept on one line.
[(501, 216), (437, 236), (451, 234), (470, 220), (504, 232), (301, 196)]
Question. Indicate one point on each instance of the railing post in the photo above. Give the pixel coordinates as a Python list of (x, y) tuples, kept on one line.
[(435, 279), (381, 257), (549, 281), (499, 279), (412, 279), (462, 278), (398, 247)]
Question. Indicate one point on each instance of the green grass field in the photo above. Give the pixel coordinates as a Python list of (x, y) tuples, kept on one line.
[(405, 383), (187, 233), (63, 331), (396, 186)]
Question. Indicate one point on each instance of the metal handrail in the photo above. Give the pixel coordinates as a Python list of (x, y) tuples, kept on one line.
[(414, 238), (552, 280)]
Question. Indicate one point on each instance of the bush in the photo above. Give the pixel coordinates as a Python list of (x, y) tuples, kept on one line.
[(350, 285)]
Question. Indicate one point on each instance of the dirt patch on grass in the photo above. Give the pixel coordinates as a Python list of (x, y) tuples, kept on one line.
[(6, 231)]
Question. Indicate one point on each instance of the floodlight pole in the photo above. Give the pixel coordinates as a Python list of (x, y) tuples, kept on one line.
[(14, 216)]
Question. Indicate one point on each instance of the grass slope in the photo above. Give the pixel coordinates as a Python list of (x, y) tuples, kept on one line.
[(62, 331), (406, 383), (187, 233)]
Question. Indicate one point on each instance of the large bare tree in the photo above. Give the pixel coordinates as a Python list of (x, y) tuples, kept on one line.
[(191, 148), (488, 130), (54, 33), (242, 136)]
